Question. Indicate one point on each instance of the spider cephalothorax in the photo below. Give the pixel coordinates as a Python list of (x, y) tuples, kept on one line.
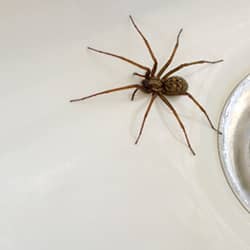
[(157, 85), (152, 84)]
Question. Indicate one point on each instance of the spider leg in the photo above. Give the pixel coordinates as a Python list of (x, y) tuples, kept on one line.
[(186, 65), (138, 74), (203, 111), (165, 100), (133, 94), (107, 91), (122, 58), (147, 45), (171, 56), (145, 116)]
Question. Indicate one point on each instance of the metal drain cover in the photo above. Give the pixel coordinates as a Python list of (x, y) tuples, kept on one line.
[(234, 143)]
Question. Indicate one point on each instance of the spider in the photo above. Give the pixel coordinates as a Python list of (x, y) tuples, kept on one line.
[(158, 84)]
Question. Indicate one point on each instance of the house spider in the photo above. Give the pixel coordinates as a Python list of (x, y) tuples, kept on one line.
[(158, 84)]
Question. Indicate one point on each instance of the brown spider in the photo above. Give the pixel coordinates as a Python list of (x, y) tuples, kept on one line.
[(157, 85)]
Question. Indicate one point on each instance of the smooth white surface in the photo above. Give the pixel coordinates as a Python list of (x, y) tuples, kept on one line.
[(70, 175)]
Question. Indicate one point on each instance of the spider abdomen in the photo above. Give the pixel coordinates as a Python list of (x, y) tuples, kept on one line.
[(175, 85)]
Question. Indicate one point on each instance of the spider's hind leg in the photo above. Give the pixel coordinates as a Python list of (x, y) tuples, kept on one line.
[(165, 100), (203, 111)]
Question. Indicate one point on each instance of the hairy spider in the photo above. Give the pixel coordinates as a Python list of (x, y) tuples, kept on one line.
[(156, 85)]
